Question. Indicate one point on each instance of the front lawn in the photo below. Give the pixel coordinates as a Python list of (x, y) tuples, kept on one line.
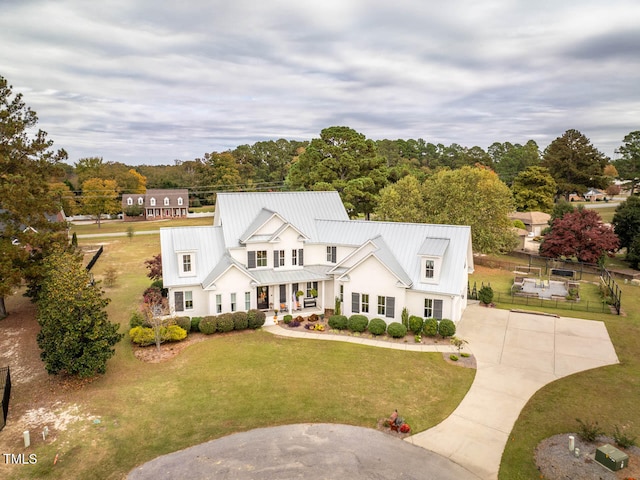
[(226, 384)]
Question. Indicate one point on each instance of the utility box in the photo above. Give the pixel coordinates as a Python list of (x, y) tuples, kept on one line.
[(611, 457)]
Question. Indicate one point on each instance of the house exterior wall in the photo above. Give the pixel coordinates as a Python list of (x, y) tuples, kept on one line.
[(232, 281)]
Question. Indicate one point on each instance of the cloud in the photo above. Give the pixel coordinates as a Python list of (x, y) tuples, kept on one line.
[(149, 82)]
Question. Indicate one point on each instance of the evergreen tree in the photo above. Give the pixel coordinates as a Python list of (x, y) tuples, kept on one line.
[(76, 337)]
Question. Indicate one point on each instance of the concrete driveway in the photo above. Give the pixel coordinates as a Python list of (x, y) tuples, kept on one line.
[(516, 354)]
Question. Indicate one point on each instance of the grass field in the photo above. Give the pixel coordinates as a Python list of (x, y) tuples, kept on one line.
[(229, 384), (120, 226)]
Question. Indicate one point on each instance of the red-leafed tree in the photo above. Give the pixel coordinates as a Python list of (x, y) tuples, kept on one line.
[(154, 265), (580, 234)]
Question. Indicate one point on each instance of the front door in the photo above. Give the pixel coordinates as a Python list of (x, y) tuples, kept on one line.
[(263, 298)]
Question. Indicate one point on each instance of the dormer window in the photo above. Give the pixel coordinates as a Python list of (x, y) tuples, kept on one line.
[(429, 269), (129, 201), (180, 201), (140, 200), (186, 264), (166, 201), (152, 202)]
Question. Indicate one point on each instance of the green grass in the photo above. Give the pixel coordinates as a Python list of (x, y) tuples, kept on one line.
[(120, 226), (608, 395), (229, 384)]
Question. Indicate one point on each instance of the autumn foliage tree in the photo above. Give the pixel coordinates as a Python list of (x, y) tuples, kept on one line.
[(76, 336), (581, 235), (154, 265)]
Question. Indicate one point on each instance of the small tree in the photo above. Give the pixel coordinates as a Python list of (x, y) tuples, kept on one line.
[(154, 265), (485, 295), (459, 343), (110, 276), (100, 197), (130, 232), (405, 317), (76, 336)]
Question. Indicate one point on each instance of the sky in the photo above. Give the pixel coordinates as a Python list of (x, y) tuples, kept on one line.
[(150, 82)]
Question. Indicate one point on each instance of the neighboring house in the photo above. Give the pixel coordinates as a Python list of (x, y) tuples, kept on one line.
[(265, 247), (534, 222), (595, 195), (157, 204), (58, 217)]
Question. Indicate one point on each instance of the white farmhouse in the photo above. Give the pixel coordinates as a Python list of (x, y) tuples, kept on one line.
[(264, 248)]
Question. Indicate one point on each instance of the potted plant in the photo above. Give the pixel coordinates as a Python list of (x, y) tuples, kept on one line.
[(299, 294), (314, 292)]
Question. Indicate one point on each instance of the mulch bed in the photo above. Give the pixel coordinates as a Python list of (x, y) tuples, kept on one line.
[(556, 462)]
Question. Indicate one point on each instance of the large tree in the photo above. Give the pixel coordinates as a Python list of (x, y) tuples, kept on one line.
[(343, 160), (575, 164), (100, 197), (402, 201), (626, 221), (629, 165), (511, 159), (76, 336), (580, 234), (27, 164), (534, 190), (475, 197)]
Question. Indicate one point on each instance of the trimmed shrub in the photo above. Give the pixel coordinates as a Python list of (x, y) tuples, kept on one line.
[(287, 319), (142, 336), (415, 324), (313, 317), (357, 323), (430, 327), (485, 295), (173, 333), (377, 326), (446, 328), (256, 318), (224, 323), (184, 323), (240, 320), (207, 325), (195, 323), (136, 319), (396, 330), (453, 357), (338, 322), (589, 431)]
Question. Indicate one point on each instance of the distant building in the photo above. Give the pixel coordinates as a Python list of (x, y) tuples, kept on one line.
[(156, 204), (534, 222)]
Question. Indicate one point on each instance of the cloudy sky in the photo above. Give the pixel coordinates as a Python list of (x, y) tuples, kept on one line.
[(148, 81)]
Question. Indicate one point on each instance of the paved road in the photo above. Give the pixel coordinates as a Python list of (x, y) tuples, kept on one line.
[(516, 353)]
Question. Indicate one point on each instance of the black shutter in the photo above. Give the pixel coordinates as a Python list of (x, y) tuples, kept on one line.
[(251, 259), (179, 299), (276, 259), (391, 307), (437, 309), (300, 257), (333, 254), (355, 303)]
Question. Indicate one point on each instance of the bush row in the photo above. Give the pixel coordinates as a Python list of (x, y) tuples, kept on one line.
[(377, 326), (144, 336), (226, 322)]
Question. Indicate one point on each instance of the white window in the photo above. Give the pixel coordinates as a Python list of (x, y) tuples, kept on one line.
[(381, 305), (428, 308), (233, 302), (294, 257), (365, 303), (166, 201), (278, 258), (129, 201), (247, 301), (186, 263), (179, 200), (261, 258), (140, 200), (429, 268), (188, 300), (218, 303), (331, 254), (387, 306), (152, 202)]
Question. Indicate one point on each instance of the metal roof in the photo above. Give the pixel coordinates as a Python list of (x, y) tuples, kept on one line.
[(237, 212), (434, 247)]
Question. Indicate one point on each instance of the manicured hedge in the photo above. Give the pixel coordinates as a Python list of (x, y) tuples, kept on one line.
[(377, 326), (338, 322), (415, 324), (142, 336), (208, 325), (430, 327), (287, 318), (396, 330), (224, 322), (256, 318), (173, 333), (357, 323), (184, 323), (195, 324), (240, 320), (446, 328)]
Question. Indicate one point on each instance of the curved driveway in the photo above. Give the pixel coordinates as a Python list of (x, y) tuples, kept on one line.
[(516, 353)]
